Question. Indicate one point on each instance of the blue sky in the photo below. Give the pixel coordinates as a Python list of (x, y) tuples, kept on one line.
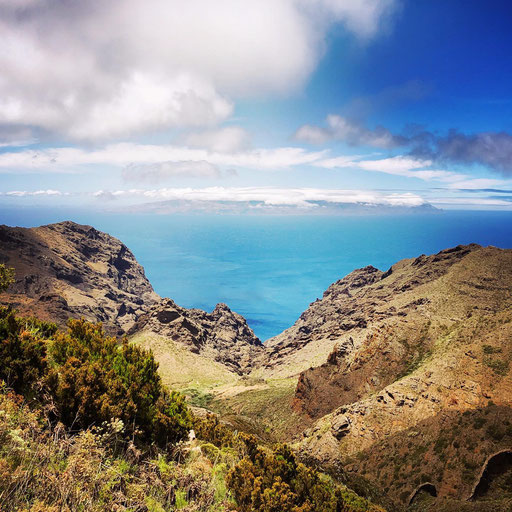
[(276, 102)]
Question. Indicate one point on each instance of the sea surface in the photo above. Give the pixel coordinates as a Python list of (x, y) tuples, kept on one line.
[(270, 268)]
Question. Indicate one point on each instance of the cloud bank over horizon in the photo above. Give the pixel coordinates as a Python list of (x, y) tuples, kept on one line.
[(251, 96)]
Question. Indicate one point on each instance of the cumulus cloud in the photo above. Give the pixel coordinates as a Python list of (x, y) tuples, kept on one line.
[(96, 69), (305, 197), (15, 135), (228, 139), (352, 132), (156, 173)]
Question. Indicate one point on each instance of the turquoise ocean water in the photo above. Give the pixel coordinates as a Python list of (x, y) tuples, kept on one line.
[(269, 268)]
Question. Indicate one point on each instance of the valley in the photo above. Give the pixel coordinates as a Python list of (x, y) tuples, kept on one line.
[(397, 381)]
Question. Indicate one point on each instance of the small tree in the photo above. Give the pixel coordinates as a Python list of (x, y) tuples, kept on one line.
[(6, 277)]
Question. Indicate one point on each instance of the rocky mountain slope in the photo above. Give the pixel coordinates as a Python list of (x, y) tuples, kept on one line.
[(401, 378), (221, 335), (416, 388), (69, 270), (352, 306), (396, 381)]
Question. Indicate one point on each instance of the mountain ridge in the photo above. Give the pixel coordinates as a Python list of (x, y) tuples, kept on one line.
[(371, 381)]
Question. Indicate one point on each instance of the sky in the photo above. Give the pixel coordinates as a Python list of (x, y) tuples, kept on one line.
[(271, 103)]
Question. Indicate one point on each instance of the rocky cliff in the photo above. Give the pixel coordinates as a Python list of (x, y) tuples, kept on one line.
[(221, 335), (69, 270), (351, 307)]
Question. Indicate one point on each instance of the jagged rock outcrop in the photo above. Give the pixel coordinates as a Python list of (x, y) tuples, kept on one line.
[(70, 270), (354, 306), (221, 335)]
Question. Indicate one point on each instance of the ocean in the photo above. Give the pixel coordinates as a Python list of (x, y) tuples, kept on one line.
[(270, 268)]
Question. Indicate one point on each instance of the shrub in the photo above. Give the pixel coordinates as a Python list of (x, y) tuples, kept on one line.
[(6, 277), (45, 470), (22, 350), (89, 378), (478, 423), (95, 378), (499, 367), (489, 349), (497, 432), (274, 481), (210, 429)]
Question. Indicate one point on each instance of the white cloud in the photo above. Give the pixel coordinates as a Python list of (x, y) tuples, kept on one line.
[(23, 193), (352, 132), (398, 165), (222, 140), (478, 183), (68, 159), (471, 201), (96, 69), (155, 173), (272, 196)]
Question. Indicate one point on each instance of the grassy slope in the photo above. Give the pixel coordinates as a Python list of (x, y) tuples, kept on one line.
[(249, 403), (181, 369), (462, 413)]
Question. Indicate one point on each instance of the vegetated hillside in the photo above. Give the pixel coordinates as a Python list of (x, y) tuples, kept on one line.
[(417, 388), (396, 381), (69, 270), (85, 424)]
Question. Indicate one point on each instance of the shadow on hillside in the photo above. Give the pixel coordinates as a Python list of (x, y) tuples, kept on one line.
[(450, 458)]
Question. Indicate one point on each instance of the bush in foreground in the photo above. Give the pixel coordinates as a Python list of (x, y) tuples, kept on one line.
[(85, 378), (85, 424)]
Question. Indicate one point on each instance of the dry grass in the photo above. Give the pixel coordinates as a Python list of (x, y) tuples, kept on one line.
[(49, 470)]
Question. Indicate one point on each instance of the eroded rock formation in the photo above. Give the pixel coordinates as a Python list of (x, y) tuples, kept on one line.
[(70, 270)]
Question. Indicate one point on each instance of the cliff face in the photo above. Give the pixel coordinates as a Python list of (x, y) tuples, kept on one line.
[(69, 270), (221, 335), (351, 308), (386, 326)]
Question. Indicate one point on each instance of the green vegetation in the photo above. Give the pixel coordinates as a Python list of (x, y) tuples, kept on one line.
[(498, 366), (260, 410), (489, 349), (95, 470), (86, 425), (88, 378), (267, 479), (6, 277), (272, 480)]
